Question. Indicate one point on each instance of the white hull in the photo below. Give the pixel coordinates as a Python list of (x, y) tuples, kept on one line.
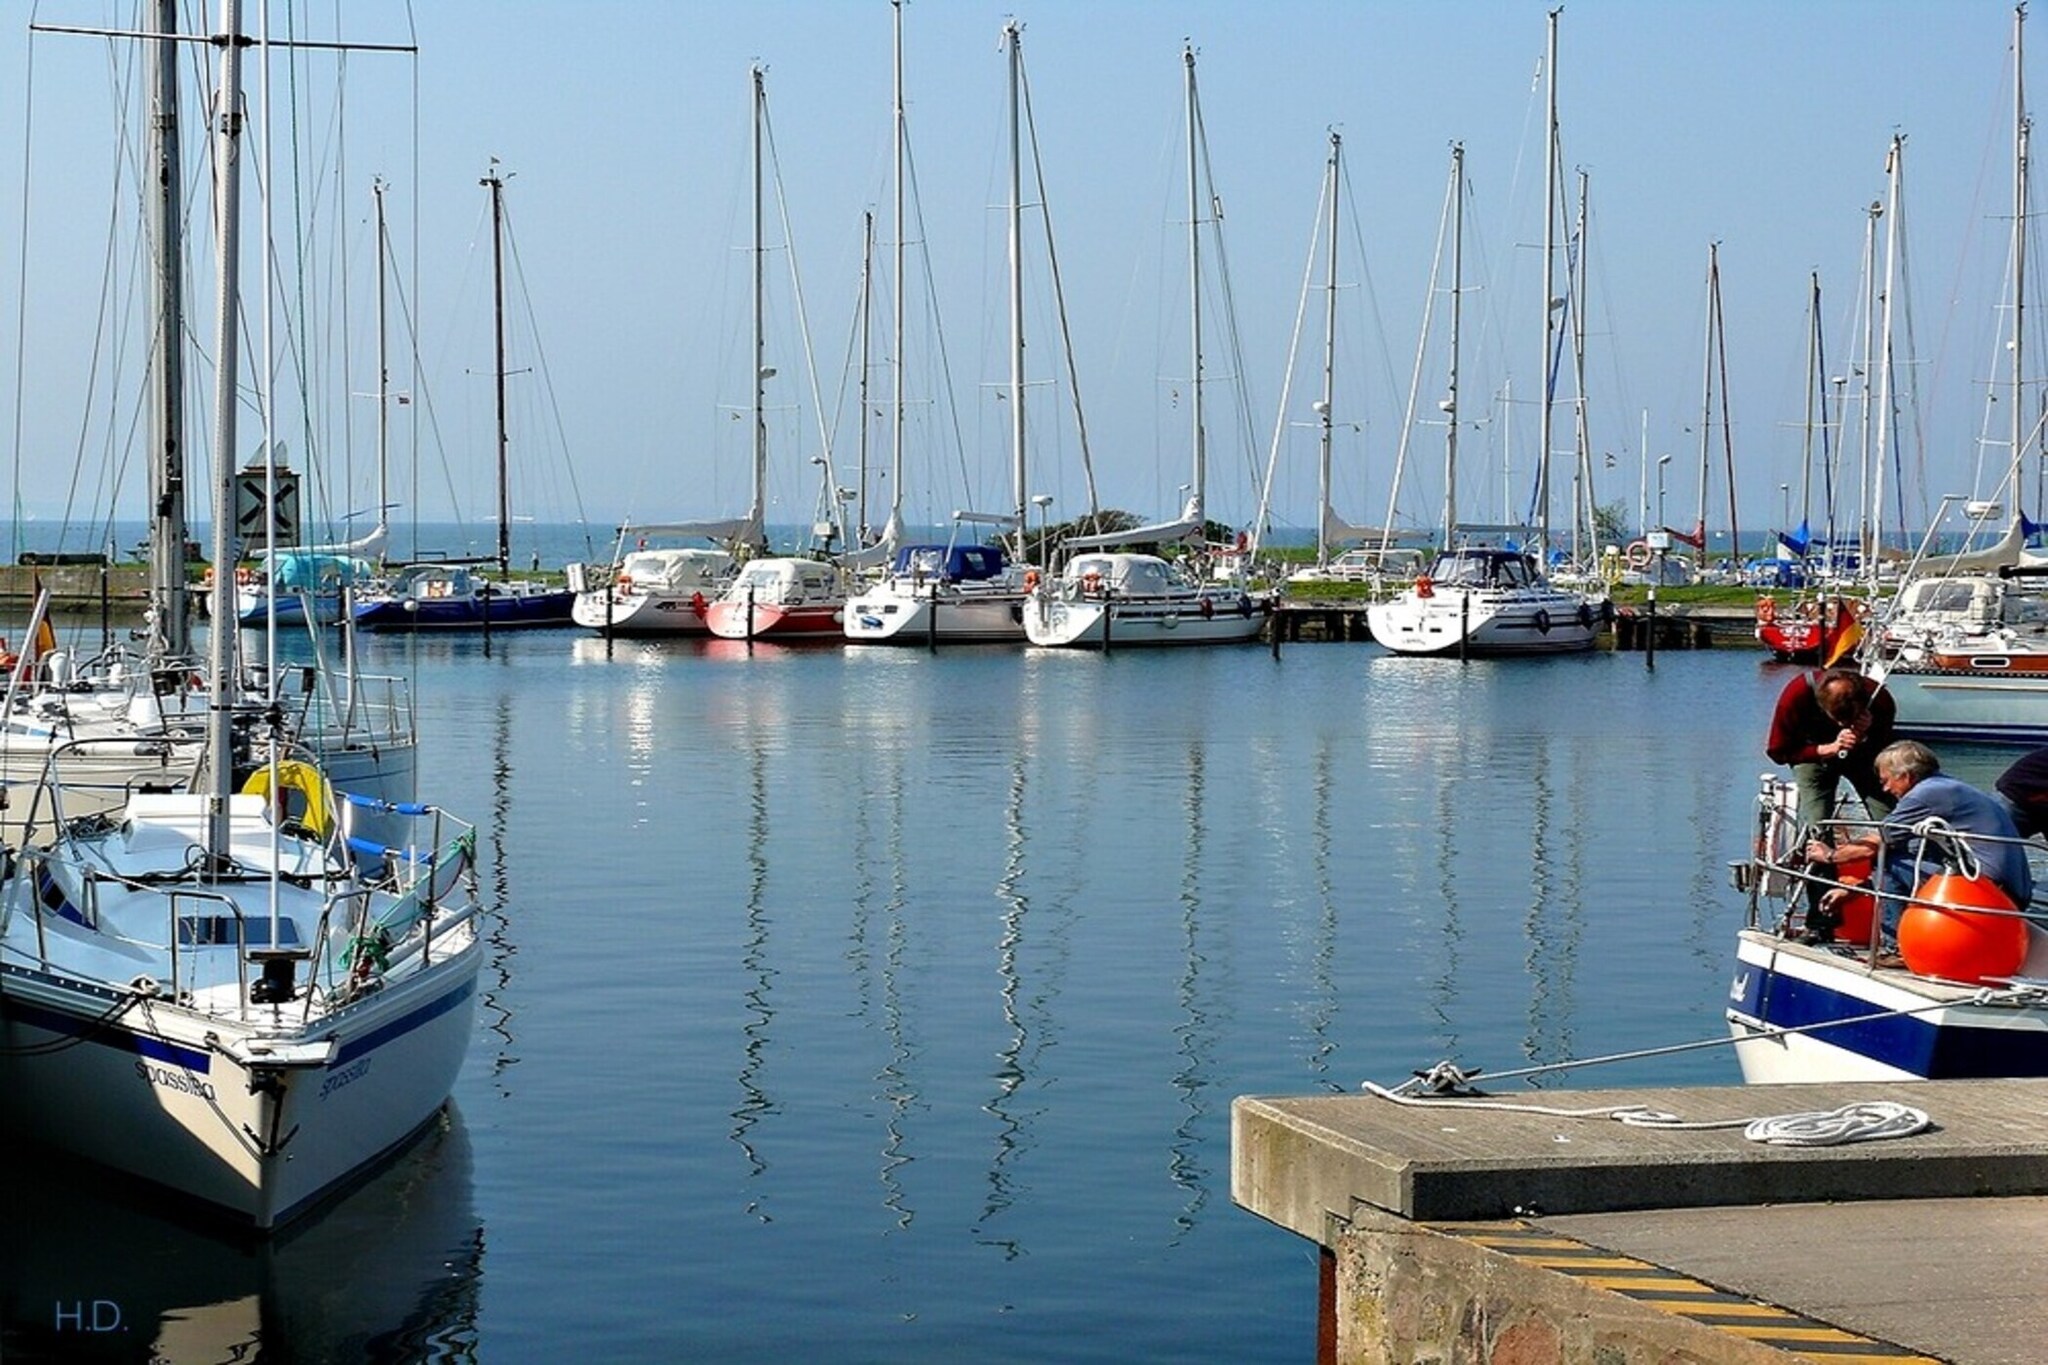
[(948, 618), (163, 1095), (1485, 622), (1134, 622), (1982, 704), (641, 613)]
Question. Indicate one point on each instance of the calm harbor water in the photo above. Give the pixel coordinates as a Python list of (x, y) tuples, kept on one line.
[(876, 1006)]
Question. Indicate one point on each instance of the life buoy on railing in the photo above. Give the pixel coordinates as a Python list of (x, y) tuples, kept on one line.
[(1766, 610), (1425, 587), (297, 775), (1638, 554), (1031, 580), (1091, 582)]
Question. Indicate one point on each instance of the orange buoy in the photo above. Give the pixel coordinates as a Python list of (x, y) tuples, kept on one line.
[(1943, 937)]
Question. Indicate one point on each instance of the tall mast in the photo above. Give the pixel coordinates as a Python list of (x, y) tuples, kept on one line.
[(1195, 509), (895, 528), (383, 370), (757, 518), (1707, 396), (2020, 132), (1013, 34), (1584, 504), (1457, 306), (170, 622), (867, 321), (496, 184), (1324, 431), (1896, 169), (1550, 192), (228, 247)]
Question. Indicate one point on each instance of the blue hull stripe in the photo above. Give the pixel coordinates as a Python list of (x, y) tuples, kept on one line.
[(113, 1036), (1911, 1043), (192, 1059), (405, 1024)]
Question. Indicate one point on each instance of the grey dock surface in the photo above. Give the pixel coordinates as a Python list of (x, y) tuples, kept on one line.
[(1695, 1241)]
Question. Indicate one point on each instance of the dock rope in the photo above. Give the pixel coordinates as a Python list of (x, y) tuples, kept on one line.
[(1865, 1121)]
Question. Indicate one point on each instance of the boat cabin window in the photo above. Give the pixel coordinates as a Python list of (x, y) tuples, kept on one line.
[(205, 931)]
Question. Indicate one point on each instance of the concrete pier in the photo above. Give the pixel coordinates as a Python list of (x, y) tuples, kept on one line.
[(1499, 1237)]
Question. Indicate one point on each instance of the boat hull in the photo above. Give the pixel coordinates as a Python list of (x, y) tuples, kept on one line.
[(730, 620), (946, 619), (1986, 705), (1778, 984), (497, 612), (1142, 622), (1484, 623), (639, 613), (162, 1093)]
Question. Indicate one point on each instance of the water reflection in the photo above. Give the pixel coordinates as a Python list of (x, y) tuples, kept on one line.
[(1194, 1036), (99, 1270), (497, 992), (754, 1102)]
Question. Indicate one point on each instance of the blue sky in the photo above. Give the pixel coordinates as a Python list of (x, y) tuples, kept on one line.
[(623, 127)]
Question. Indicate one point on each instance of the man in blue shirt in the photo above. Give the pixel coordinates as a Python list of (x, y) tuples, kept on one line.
[(1911, 775)]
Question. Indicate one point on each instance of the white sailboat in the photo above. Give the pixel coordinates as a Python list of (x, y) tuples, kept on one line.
[(1487, 594), (783, 597), (1104, 595), (204, 991), (1962, 648), (960, 593)]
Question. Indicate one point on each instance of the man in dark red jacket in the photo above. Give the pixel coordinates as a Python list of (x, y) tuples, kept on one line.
[(1829, 726)]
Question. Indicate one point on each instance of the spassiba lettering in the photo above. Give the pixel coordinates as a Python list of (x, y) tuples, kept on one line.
[(174, 1078), (349, 1074)]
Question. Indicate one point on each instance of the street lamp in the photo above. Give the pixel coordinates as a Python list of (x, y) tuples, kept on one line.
[(1041, 501), (1784, 506), (1662, 460)]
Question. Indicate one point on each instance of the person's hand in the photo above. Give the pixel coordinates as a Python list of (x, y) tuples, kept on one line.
[(1833, 899), (1847, 740), (1818, 852)]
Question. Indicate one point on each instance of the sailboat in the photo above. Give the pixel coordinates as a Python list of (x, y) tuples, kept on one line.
[(957, 593), (1487, 593), (1382, 556), (1105, 595), (212, 990), (447, 594), (1963, 646), (775, 597)]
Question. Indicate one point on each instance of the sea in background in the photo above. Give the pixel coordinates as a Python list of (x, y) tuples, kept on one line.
[(864, 1004), (550, 545)]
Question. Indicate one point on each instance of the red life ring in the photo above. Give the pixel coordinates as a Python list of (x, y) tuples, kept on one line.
[(1091, 582), (1638, 554), (1424, 587), (1766, 610)]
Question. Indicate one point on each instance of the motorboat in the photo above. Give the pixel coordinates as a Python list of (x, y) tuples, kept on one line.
[(1108, 600), (1813, 1000), (941, 594), (1485, 601), (781, 599)]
